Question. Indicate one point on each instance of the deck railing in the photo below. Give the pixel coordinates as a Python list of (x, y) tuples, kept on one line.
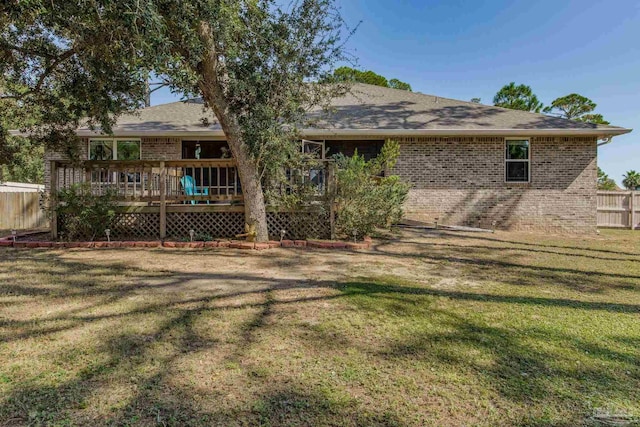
[(175, 181)]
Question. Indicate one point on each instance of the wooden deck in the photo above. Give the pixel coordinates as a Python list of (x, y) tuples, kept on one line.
[(173, 187)]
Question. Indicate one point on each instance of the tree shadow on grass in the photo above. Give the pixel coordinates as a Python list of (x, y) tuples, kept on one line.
[(529, 364), (521, 371), (144, 361), (518, 370), (103, 293), (372, 288), (486, 237), (493, 264), (512, 249)]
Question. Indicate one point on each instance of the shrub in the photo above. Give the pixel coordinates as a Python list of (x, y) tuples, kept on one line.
[(604, 182), (82, 214), (364, 198), (300, 194)]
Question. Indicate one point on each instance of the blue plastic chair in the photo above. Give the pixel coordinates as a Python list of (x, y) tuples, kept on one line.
[(190, 188)]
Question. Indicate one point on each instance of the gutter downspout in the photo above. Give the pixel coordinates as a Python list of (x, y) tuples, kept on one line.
[(606, 140)]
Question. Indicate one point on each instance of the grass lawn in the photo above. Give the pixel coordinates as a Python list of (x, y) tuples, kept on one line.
[(431, 328)]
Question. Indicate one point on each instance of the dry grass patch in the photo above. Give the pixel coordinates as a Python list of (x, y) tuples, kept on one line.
[(429, 328)]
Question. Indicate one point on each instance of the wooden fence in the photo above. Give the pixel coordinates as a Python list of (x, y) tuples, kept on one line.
[(21, 211), (619, 209)]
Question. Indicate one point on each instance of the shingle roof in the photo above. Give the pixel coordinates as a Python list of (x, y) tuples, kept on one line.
[(368, 109)]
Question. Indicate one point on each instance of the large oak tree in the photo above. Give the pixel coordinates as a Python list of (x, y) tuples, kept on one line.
[(252, 62)]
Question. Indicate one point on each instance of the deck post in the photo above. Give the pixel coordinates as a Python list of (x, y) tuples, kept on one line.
[(332, 220), (163, 201), (331, 193), (53, 181), (87, 175)]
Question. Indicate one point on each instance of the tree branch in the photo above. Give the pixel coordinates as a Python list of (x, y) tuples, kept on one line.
[(51, 68), (158, 86), (56, 60), (8, 46)]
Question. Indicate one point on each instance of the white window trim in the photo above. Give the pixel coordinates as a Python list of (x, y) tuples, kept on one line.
[(504, 154), (322, 143), (114, 145)]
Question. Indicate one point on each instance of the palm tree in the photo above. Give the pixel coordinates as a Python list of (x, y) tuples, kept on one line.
[(631, 180)]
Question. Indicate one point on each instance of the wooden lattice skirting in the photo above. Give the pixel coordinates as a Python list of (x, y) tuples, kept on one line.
[(125, 225), (299, 225), (139, 225), (214, 224), (145, 224)]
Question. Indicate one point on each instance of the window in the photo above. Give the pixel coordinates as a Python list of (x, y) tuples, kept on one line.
[(127, 149), (114, 149), (313, 148), (196, 149), (368, 149), (313, 173), (101, 149), (517, 160)]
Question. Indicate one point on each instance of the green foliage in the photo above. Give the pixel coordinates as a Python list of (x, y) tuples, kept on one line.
[(604, 182), (576, 107), (82, 214), (25, 162), (364, 199), (265, 57), (397, 84), (203, 237), (297, 191), (519, 97), (64, 63), (348, 74), (631, 180), (476, 100), (596, 119), (253, 62)]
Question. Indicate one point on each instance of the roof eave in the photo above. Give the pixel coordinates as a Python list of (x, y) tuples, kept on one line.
[(600, 133)]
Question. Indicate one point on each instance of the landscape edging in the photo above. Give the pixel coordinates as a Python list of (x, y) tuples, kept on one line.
[(230, 244)]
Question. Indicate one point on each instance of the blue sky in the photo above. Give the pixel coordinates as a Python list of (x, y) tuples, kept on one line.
[(465, 49)]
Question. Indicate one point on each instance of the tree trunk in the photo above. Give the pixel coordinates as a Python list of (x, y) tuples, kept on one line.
[(210, 71), (254, 206)]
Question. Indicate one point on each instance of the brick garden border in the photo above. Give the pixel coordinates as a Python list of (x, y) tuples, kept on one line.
[(231, 244)]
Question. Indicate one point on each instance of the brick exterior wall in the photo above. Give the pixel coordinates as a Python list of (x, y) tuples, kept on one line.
[(460, 181), (161, 149)]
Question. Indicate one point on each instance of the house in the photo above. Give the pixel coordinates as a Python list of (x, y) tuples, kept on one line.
[(468, 164)]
